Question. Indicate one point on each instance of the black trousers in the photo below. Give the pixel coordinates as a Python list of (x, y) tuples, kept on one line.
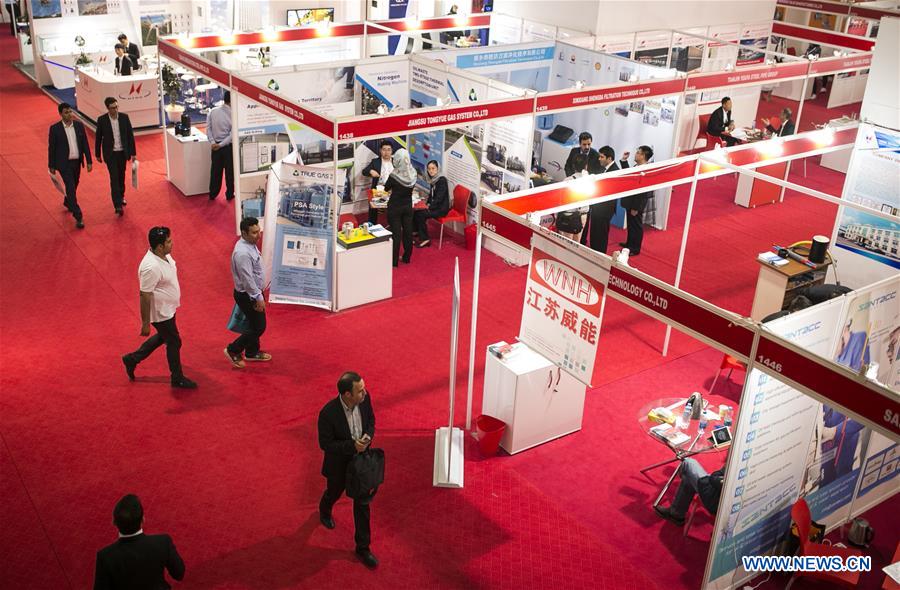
[(635, 231), (333, 491), (373, 215), (400, 218), (248, 343), (71, 174), (421, 217), (116, 167), (166, 333), (597, 229), (221, 160)]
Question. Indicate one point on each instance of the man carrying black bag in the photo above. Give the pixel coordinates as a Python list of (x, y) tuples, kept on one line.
[(346, 428)]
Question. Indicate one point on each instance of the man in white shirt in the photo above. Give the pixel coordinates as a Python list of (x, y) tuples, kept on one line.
[(115, 144), (160, 297), (67, 152)]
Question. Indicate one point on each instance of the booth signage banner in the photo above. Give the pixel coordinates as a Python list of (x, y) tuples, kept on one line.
[(563, 304), (406, 122), (303, 257), (773, 460), (760, 75), (285, 107), (822, 36), (195, 63), (816, 5), (837, 64), (878, 473), (620, 45), (672, 306), (615, 94), (517, 232), (822, 381)]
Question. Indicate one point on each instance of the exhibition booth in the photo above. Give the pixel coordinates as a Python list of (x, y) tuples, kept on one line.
[(806, 375)]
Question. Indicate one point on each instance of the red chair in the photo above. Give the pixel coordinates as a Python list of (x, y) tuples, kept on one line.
[(457, 212), (701, 132), (802, 518), (730, 363)]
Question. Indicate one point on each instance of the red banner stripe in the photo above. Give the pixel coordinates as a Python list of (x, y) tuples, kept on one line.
[(400, 124), (755, 75), (860, 61), (822, 36), (517, 232), (612, 94), (816, 5), (285, 107)]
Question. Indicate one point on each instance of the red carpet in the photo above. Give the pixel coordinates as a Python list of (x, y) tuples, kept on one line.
[(232, 469)]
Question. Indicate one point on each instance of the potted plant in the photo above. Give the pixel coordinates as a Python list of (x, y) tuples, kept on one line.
[(171, 84), (82, 59)]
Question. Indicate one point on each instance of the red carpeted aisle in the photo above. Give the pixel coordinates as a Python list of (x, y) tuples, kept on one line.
[(232, 470)]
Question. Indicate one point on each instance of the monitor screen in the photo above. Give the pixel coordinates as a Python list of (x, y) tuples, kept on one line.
[(301, 17)]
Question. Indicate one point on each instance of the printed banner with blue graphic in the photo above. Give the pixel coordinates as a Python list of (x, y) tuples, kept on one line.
[(303, 249)]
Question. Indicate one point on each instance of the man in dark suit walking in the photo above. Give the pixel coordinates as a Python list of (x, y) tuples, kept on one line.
[(634, 205), (115, 144), (67, 151), (346, 427), (584, 157), (136, 561), (721, 124), (601, 214)]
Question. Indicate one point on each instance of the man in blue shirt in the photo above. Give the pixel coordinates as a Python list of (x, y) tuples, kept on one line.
[(218, 130), (246, 270)]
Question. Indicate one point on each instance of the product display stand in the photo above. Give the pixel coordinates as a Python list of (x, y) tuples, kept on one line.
[(189, 162), (448, 441)]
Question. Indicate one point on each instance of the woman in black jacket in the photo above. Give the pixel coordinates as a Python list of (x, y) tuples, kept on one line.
[(438, 203), (399, 209)]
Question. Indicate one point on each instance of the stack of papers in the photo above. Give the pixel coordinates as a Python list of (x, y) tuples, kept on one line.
[(669, 435), (772, 258)]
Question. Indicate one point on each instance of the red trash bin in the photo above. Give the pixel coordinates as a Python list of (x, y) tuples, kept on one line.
[(471, 232), (488, 432)]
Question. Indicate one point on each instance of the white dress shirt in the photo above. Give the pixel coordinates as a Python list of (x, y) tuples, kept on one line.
[(72, 139), (354, 420), (117, 137)]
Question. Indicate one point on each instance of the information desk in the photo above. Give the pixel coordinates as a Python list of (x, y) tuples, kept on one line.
[(137, 95), (189, 162), (364, 272), (777, 286), (839, 160), (61, 65), (536, 399)]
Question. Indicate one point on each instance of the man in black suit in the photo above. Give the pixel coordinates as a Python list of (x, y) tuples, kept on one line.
[(787, 125), (67, 151), (123, 62), (634, 205), (600, 214), (379, 169), (115, 144), (346, 427), (132, 50), (136, 561), (720, 123), (583, 157)]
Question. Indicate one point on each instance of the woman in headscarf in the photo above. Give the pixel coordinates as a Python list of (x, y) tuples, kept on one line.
[(438, 203), (400, 210)]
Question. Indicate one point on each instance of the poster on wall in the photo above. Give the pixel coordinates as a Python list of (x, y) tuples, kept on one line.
[(874, 182), (427, 85), (652, 48), (506, 143), (423, 148), (775, 459), (46, 9), (754, 40), (92, 7), (382, 83), (878, 473), (620, 45), (154, 26), (303, 253), (462, 161), (687, 50), (563, 306), (871, 319), (523, 67)]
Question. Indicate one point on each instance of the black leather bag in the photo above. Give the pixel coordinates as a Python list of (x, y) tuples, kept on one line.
[(569, 222), (365, 473)]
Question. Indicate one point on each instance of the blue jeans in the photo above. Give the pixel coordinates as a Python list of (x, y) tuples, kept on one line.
[(691, 472)]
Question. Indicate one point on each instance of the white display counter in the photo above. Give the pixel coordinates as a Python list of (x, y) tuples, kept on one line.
[(537, 400), (839, 160), (189, 162), (61, 66), (26, 53), (137, 95), (364, 274)]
